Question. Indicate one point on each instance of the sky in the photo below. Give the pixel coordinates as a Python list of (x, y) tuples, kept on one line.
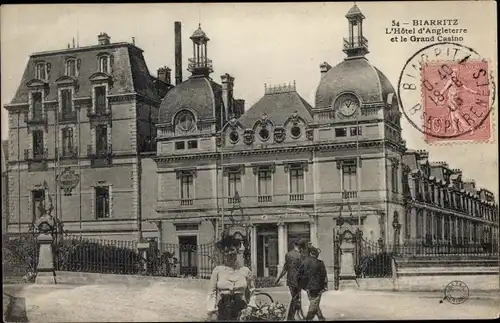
[(257, 44)]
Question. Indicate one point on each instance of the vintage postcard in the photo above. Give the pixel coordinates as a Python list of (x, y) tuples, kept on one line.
[(250, 161)]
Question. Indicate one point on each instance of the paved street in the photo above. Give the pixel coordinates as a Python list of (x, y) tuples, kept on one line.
[(169, 302)]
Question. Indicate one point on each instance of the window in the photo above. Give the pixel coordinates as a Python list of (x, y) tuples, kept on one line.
[(67, 138), (408, 224), (296, 179), (446, 227), (265, 181), (264, 134), (394, 178), (295, 131), (37, 198), (418, 194), (100, 99), (67, 102), (37, 105), (71, 67), (234, 137), (349, 178), (41, 71), (104, 64), (192, 144), (102, 202), (438, 224), (354, 132), (234, 184), (179, 145), (420, 224), (340, 132), (186, 186), (37, 143), (101, 139)]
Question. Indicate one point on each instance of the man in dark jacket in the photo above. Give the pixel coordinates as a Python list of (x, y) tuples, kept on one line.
[(313, 279), (293, 260)]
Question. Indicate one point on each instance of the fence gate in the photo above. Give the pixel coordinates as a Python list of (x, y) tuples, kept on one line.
[(20, 257), (371, 259)]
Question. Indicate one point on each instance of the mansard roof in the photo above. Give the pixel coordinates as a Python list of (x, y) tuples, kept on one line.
[(129, 71), (278, 106)]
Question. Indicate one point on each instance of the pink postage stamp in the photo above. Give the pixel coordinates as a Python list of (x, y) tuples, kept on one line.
[(456, 100)]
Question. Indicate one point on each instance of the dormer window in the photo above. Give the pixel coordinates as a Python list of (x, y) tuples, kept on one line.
[(41, 71), (71, 67), (104, 64)]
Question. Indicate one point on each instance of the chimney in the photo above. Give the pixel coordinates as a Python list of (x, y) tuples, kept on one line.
[(103, 39), (325, 67), (239, 108), (164, 74), (227, 94), (178, 53)]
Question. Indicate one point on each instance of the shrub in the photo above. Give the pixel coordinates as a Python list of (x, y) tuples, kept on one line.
[(20, 256), (87, 256)]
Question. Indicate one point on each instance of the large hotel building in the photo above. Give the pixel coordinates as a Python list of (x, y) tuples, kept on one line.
[(167, 161)]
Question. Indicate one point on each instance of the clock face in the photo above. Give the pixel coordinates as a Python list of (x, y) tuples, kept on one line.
[(348, 106)]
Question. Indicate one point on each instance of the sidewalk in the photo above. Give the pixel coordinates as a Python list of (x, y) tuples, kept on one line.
[(170, 302)]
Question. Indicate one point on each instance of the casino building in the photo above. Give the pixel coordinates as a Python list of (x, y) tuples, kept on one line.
[(285, 169), (282, 169)]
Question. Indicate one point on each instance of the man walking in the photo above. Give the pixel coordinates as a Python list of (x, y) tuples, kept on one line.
[(293, 260), (313, 279)]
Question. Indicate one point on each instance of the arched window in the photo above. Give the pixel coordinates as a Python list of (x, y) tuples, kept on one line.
[(184, 121), (104, 64), (71, 67)]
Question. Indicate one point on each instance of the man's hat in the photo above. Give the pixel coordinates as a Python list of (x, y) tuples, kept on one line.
[(314, 251), (301, 243)]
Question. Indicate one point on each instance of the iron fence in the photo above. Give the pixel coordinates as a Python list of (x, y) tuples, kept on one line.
[(20, 257), (122, 257), (371, 259), (185, 260), (97, 256)]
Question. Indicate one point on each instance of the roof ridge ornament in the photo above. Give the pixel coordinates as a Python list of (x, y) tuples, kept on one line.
[(280, 88)]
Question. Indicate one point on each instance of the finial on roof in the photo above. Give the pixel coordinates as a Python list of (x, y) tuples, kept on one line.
[(285, 88)]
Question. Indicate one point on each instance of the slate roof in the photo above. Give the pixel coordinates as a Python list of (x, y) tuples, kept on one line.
[(354, 11), (198, 94), (353, 75), (5, 152), (278, 107), (129, 71)]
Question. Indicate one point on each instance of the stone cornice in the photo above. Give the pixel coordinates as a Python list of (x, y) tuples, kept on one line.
[(278, 150)]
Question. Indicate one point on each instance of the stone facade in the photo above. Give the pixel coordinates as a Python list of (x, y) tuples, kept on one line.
[(284, 169), (92, 110)]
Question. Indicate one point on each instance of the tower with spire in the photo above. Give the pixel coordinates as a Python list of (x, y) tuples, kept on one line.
[(356, 45), (200, 65)]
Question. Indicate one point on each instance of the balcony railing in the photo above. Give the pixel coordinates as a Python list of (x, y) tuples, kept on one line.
[(67, 115), (186, 202), (98, 111), (355, 42), (233, 200), (99, 153), (296, 197), (36, 155), (36, 118), (265, 198), (202, 63), (349, 194), (69, 152)]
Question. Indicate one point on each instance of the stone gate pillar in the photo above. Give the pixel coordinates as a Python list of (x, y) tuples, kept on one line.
[(347, 240)]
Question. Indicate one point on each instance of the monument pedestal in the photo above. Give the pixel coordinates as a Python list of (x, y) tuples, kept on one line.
[(45, 270), (347, 275)]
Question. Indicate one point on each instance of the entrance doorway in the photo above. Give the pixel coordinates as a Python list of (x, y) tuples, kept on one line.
[(267, 251), (188, 255)]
